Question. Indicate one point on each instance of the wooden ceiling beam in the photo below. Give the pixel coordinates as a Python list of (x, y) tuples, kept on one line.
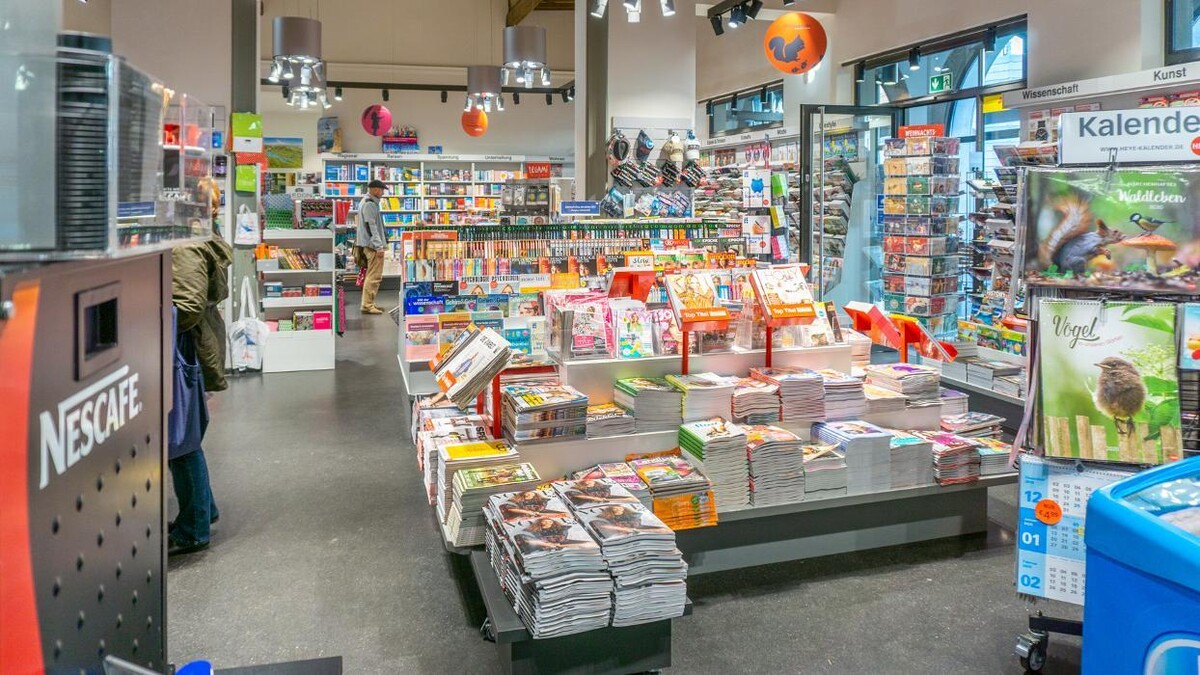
[(519, 9)]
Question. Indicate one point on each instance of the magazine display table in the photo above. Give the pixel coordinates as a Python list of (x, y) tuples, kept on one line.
[(642, 648)]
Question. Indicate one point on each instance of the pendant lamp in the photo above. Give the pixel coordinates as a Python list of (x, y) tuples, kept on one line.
[(525, 56), (484, 88)]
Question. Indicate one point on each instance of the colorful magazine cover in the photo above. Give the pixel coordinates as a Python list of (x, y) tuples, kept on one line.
[(1128, 229), (480, 478), (634, 330), (515, 507), (1108, 383), (784, 292), (593, 492), (1189, 356)]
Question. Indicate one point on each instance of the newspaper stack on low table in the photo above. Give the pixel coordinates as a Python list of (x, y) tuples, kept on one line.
[(755, 401), (912, 463), (955, 459), (868, 453), (465, 371), (824, 471), (844, 397), (719, 449), (954, 402), (705, 395), (469, 455), (609, 419), (801, 392), (655, 404), (472, 488), (550, 568), (682, 495), (776, 463), (543, 413), (622, 474), (441, 431), (647, 568), (919, 383)]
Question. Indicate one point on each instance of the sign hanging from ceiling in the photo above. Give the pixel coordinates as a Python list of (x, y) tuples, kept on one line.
[(1140, 135), (795, 43)]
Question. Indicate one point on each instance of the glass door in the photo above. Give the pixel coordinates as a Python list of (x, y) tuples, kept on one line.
[(840, 233)]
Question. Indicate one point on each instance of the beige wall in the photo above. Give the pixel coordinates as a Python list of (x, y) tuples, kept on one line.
[(94, 16)]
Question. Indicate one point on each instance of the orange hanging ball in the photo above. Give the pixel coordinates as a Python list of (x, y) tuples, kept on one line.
[(795, 43), (475, 122)]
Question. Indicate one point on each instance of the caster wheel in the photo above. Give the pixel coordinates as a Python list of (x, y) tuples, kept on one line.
[(486, 631), (1031, 648)]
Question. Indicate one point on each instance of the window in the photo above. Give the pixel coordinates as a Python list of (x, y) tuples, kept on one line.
[(750, 109), (1183, 30)]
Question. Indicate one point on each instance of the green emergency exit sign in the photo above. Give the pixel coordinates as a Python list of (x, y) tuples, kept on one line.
[(941, 83)]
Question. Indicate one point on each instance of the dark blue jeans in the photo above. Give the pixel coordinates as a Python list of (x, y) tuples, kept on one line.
[(197, 509)]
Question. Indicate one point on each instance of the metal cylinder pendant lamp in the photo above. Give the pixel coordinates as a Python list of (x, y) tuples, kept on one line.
[(296, 59), (484, 88), (525, 56)]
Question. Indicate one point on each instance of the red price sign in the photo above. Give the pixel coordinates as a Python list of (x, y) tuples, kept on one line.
[(920, 130)]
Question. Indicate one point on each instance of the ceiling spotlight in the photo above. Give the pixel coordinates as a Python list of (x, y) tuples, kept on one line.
[(914, 58), (549, 99), (718, 27), (469, 104), (737, 17), (445, 96), (598, 8), (324, 100), (860, 69), (337, 93), (386, 94), (753, 9), (668, 7), (571, 94), (500, 102), (288, 73), (989, 39), (484, 88), (632, 5), (788, 3), (634, 10), (525, 55), (733, 102), (516, 98), (708, 108), (565, 98), (890, 74), (287, 93), (762, 96), (276, 71)]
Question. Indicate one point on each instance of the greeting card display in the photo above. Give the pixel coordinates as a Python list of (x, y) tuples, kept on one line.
[(1108, 384), (693, 296), (1130, 229), (784, 295), (1189, 356)]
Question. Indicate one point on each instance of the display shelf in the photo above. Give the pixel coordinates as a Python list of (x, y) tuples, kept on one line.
[(293, 235), (288, 303), (416, 376), (555, 459), (299, 350), (977, 389), (289, 272)]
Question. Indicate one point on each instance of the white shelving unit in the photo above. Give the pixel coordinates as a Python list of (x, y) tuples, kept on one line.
[(300, 350)]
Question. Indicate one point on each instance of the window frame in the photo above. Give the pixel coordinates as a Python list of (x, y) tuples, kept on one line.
[(1172, 55), (771, 87)]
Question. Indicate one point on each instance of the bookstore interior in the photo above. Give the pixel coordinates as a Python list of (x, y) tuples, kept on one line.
[(681, 290)]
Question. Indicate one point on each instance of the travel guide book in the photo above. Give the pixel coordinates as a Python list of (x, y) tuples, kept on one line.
[(693, 297)]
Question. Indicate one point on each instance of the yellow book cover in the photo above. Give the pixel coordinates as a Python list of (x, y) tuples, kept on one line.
[(477, 449)]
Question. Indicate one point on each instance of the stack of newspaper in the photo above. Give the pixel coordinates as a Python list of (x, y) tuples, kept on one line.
[(919, 383), (844, 397), (984, 373), (755, 401), (466, 370), (955, 459), (655, 404), (993, 456), (705, 395), (647, 569), (472, 488), (882, 401), (776, 463), (973, 425), (682, 495), (912, 463), (469, 455), (801, 392), (824, 471), (1010, 385), (608, 419), (719, 449), (954, 402), (438, 431), (550, 568), (868, 453), (622, 474), (543, 413), (860, 348)]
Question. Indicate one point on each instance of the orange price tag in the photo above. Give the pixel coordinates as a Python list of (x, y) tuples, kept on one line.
[(1048, 511)]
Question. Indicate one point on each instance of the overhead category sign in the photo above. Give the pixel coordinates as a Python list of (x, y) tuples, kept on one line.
[(1141, 135), (1155, 78)]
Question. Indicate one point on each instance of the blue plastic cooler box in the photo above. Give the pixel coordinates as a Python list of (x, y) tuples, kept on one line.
[(1142, 595)]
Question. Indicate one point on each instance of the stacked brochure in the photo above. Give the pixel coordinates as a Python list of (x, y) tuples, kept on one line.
[(755, 401), (912, 460), (776, 463), (469, 455), (608, 419), (543, 413), (622, 474), (682, 495), (472, 488), (957, 368), (844, 397), (801, 392), (919, 383), (868, 453), (648, 571), (550, 568), (705, 395), (1010, 385), (468, 367), (882, 401), (993, 456), (973, 424), (719, 448), (954, 402), (655, 404), (824, 471), (955, 459), (984, 373)]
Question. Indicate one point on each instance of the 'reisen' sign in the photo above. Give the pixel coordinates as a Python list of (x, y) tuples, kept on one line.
[(1143, 135)]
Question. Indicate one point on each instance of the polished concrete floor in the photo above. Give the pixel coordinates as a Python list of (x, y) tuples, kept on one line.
[(327, 547)]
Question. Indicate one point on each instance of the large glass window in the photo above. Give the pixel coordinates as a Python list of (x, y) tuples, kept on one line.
[(751, 109), (1183, 30), (949, 71)]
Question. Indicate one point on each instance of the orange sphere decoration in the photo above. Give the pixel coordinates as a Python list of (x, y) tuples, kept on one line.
[(475, 122), (795, 43)]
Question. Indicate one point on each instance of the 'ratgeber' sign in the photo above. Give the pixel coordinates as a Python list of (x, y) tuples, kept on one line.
[(1141, 135)]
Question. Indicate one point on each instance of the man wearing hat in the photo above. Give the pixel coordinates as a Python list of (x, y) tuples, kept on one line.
[(371, 244)]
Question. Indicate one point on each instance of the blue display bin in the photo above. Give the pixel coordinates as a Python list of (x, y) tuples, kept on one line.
[(1142, 595)]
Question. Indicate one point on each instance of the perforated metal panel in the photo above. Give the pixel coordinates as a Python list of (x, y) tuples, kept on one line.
[(94, 461)]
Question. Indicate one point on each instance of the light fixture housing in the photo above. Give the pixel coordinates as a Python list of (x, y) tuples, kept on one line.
[(668, 7), (860, 71), (337, 93), (717, 25), (753, 9), (549, 99), (296, 48), (525, 55), (598, 8), (633, 11), (890, 74), (989, 39), (516, 98), (386, 95), (737, 17), (484, 88), (763, 96), (914, 58), (788, 3), (445, 96)]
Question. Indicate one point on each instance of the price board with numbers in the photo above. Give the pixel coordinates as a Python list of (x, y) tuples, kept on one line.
[(1050, 524)]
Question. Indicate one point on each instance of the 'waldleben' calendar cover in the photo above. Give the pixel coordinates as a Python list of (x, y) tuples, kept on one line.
[(1109, 389)]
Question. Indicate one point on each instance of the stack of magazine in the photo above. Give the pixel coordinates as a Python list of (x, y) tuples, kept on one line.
[(912, 463), (553, 412), (776, 462), (472, 488), (622, 474), (608, 419), (755, 401), (919, 383), (955, 459), (464, 371), (973, 424), (984, 373), (883, 401), (647, 569), (550, 568), (705, 395), (844, 397), (655, 404), (824, 471), (438, 431), (868, 453), (682, 495), (801, 392), (993, 456), (469, 455), (954, 402), (719, 449)]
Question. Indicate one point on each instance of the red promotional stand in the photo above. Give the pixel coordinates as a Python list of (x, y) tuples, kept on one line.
[(777, 312), (690, 312)]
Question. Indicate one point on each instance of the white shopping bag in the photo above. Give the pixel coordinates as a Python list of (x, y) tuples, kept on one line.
[(248, 232), (247, 336)]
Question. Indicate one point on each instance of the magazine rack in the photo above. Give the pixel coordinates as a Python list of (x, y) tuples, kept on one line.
[(632, 283)]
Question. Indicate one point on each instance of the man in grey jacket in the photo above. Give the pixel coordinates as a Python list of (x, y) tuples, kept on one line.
[(371, 245)]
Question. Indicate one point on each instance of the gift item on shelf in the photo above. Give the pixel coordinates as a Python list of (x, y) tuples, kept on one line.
[(824, 471), (775, 459), (756, 401), (955, 459), (682, 494), (609, 419), (473, 487), (844, 396), (543, 413), (654, 403), (705, 395), (801, 392), (719, 449), (867, 449)]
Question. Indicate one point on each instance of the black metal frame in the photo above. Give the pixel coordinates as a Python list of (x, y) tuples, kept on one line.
[(747, 92), (1171, 55)]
